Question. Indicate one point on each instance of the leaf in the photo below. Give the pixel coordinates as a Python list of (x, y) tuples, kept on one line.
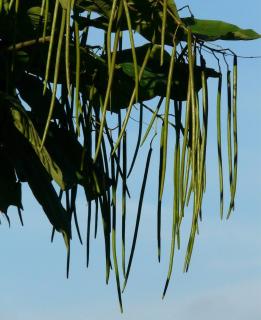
[(27, 22), (29, 167), (67, 152), (211, 30), (45, 193), (145, 18), (34, 14), (154, 84), (31, 91), (25, 126), (99, 6)]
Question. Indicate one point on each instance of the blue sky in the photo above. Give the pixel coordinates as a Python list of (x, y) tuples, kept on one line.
[(224, 280)]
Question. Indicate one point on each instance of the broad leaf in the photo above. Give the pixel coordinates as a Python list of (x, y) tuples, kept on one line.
[(211, 30), (99, 6), (30, 169), (68, 153), (31, 91), (153, 82), (25, 126), (146, 18)]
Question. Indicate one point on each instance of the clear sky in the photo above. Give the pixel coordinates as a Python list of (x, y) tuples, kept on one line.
[(224, 280)]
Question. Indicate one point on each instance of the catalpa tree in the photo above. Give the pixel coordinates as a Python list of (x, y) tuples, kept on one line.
[(60, 97)]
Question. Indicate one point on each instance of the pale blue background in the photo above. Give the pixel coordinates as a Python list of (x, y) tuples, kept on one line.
[(224, 281)]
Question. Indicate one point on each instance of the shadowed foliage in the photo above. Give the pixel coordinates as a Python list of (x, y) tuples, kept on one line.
[(60, 98)]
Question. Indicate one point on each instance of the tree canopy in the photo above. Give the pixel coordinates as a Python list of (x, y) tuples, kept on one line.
[(59, 94)]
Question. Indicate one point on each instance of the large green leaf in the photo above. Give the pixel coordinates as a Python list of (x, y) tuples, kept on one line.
[(153, 82), (20, 153), (211, 30), (31, 91), (146, 18), (39, 182), (67, 152), (25, 126)]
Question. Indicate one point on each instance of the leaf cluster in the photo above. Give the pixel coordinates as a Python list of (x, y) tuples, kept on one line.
[(57, 90)]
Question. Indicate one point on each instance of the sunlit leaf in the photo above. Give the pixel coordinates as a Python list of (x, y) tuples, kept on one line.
[(211, 30)]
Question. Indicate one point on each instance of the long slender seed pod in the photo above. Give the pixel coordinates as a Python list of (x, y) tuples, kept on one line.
[(190, 188), (106, 166), (138, 216), (88, 233), (185, 192), (176, 177), (163, 31), (124, 177), (56, 74), (138, 140), (159, 197), (108, 92), (154, 115), (108, 35), (195, 182), (126, 119), (198, 154), (220, 167), (46, 12), (185, 146), (114, 250), (194, 227), (67, 47), (119, 149), (133, 50), (115, 157), (193, 104), (43, 4), (164, 143), (229, 144), (166, 115), (77, 75), (196, 194), (235, 143), (186, 180), (68, 260), (96, 218), (202, 148), (50, 50)]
